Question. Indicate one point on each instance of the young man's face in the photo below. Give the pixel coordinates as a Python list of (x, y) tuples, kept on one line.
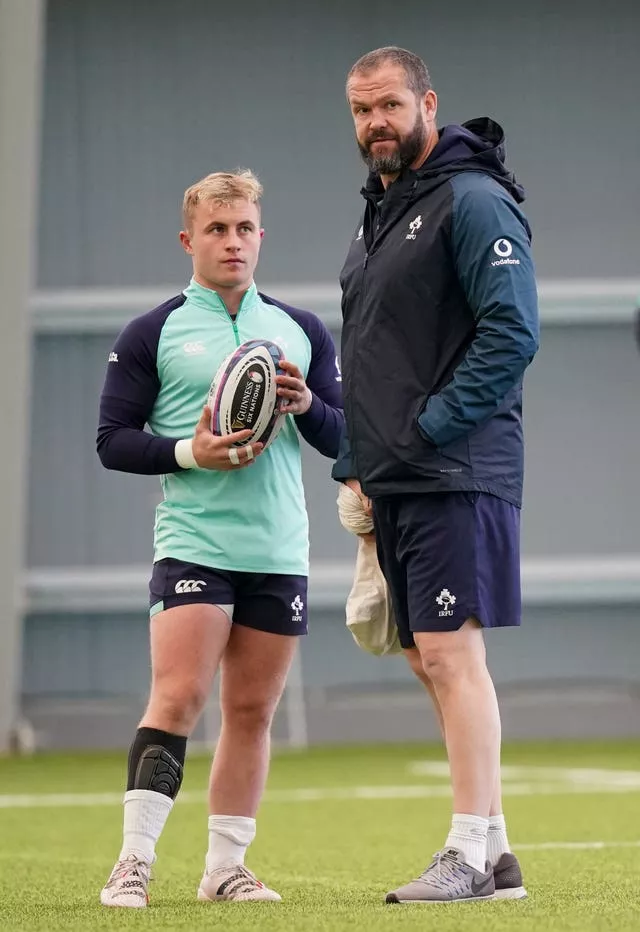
[(224, 240)]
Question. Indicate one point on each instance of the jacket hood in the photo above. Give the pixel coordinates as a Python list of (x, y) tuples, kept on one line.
[(477, 145)]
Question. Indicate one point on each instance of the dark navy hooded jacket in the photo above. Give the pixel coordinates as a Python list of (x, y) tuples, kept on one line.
[(440, 321)]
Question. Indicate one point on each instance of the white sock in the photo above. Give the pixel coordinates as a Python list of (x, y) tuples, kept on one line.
[(145, 814), (469, 834), (229, 838), (497, 841)]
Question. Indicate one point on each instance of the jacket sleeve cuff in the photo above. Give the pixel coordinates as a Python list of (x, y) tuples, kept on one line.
[(313, 417), (424, 428)]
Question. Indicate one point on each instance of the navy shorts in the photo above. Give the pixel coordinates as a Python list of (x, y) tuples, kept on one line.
[(448, 557), (271, 602)]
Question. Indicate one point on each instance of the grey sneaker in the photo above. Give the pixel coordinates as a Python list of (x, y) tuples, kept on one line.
[(508, 878), (448, 879)]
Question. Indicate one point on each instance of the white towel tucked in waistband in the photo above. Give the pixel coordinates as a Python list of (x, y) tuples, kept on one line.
[(369, 612)]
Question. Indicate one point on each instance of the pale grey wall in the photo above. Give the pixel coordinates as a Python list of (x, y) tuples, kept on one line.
[(21, 48), (143, 98), (583, 449), (569, 672), (582, 424), (572, 643), (82, 515)]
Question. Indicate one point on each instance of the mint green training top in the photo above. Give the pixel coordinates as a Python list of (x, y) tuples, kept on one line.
[(159, 373)]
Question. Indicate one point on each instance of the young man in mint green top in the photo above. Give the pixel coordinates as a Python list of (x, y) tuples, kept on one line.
[(229, 582)]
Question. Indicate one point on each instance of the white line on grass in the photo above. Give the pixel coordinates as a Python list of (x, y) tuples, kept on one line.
[(73, 800), (437, 791), (576, 845), (585, 776), (321, 794)]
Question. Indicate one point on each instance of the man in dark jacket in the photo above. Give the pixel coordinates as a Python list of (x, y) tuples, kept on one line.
[(440, 321)]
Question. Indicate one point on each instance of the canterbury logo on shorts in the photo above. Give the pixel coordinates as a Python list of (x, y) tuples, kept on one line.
[(189, 585)]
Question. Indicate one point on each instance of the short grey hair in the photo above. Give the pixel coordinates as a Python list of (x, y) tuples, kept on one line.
[(418, 78)]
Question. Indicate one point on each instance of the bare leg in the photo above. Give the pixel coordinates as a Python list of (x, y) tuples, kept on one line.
[(254, 671), (455, 664), (187, 643), (415, 662)]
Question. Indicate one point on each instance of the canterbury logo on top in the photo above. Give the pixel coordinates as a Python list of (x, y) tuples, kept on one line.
[(189, 585)]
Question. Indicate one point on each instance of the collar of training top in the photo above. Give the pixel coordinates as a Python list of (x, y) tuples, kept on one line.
[(210, 299)]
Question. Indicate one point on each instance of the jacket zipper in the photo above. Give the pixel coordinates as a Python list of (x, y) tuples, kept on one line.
[(236, 335), (354, 456), (234, 320)]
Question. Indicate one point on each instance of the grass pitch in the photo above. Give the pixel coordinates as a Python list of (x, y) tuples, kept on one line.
[(338, 828)]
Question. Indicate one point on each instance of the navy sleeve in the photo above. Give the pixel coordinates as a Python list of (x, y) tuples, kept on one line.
[(492, 251), (130, 390), (343, 468), (322, 425)]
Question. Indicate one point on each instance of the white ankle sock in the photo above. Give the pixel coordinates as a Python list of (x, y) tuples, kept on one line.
[(229, 838), (145, 814), (469, 834), (497, 841)]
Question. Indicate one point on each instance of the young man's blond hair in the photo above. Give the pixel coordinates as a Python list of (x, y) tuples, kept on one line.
[(223, 188)]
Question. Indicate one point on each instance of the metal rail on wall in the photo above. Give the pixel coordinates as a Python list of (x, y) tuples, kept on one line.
[(563, 302)]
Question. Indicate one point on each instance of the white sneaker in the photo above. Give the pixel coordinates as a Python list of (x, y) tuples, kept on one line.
[(234, 883), (128, 884)]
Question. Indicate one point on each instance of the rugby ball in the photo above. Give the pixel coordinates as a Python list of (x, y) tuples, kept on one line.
[(243, 393)]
